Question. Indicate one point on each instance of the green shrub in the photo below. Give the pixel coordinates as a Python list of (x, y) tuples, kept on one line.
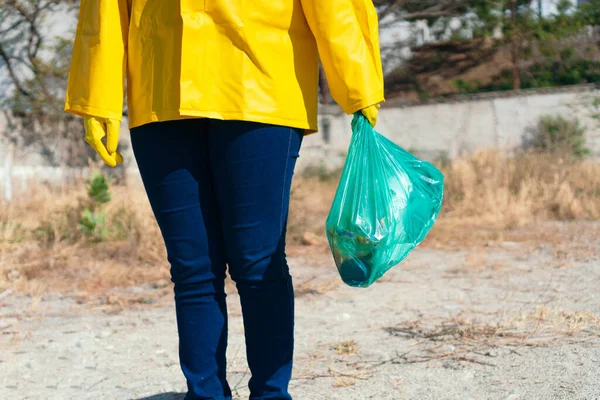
[(98, 190), (93, 220), (83, 220), (555, 134), (93, 224)]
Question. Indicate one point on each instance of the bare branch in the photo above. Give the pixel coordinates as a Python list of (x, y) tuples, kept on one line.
[(11, 72)]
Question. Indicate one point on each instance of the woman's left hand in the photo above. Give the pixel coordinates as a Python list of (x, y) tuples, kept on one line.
[(371, 113), (96, 129)]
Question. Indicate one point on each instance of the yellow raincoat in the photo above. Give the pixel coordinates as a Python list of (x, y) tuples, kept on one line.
[(251, 60)]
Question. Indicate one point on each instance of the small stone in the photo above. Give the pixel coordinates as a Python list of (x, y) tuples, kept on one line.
[(13, 275), (492, 353), (399, 383), (6, 293), (160, 284), (8, 322), (106, 333), (310, 239)]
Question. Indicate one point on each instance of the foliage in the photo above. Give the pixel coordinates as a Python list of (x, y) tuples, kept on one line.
[(86, 219), (37, 66), (589, 13), (545, 51), (93, 220), (464, 87), (98, 190), (93, 224), (543, 74), (430, 10), (532, 36), (595, 109), (590, 105), (557, 135)]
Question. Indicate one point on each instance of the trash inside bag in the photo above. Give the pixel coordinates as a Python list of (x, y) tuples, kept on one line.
[(386, 203)]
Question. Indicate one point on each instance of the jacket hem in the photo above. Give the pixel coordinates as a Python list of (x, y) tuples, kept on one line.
[(83, 110), (372, 99), (235, 116)]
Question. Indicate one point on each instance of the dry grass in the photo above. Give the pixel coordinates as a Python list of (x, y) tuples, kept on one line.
[(470, 337), (487, 197), (515, 191), (42, 247), (311, 201), (314, 286), (346, 348), (490, 198)]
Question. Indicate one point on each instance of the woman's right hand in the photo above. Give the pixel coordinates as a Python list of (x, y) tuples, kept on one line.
[(372, 114), (96, 129)]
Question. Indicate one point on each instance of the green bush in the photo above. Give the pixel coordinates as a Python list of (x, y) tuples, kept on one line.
[(93, 220), (551, 74), (464, 87), (98, 190), (555, 134), (84, 220), (570, 71), (93, 224)]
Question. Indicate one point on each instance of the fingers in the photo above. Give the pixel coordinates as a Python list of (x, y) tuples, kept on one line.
[(118, 157), (113, 129), (94, 132), (106, 157), (372, 114), (94, 129)]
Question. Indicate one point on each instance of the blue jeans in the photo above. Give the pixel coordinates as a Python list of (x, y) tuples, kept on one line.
[(220, 192)]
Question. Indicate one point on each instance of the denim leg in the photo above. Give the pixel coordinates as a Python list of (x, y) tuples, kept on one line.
[(173, 160), (252, 166)]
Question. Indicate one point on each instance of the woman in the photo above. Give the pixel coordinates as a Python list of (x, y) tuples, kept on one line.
[(220, 94)]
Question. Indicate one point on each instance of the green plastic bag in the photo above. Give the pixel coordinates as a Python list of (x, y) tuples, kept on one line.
[(386, 203)]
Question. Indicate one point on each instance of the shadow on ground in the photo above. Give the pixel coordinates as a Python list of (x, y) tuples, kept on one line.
[(164, 396)]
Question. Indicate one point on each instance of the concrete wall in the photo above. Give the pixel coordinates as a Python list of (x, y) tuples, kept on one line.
[(461, 125), (466, 124)]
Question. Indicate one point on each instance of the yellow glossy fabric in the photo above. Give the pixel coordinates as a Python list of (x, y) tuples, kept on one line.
[(253, 60), (96, 129), (372, 114)]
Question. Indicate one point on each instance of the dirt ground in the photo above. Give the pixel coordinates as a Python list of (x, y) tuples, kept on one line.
[(505, 322)]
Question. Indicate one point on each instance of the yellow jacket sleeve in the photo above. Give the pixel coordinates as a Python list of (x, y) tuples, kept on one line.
[(347, 34), (99, 61)]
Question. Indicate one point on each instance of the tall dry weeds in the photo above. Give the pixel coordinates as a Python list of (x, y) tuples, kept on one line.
[(41, 246), (513, 191)]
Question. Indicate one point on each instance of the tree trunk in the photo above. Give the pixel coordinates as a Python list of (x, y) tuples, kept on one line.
[(8, 166), (325, 102), (515, 46)]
